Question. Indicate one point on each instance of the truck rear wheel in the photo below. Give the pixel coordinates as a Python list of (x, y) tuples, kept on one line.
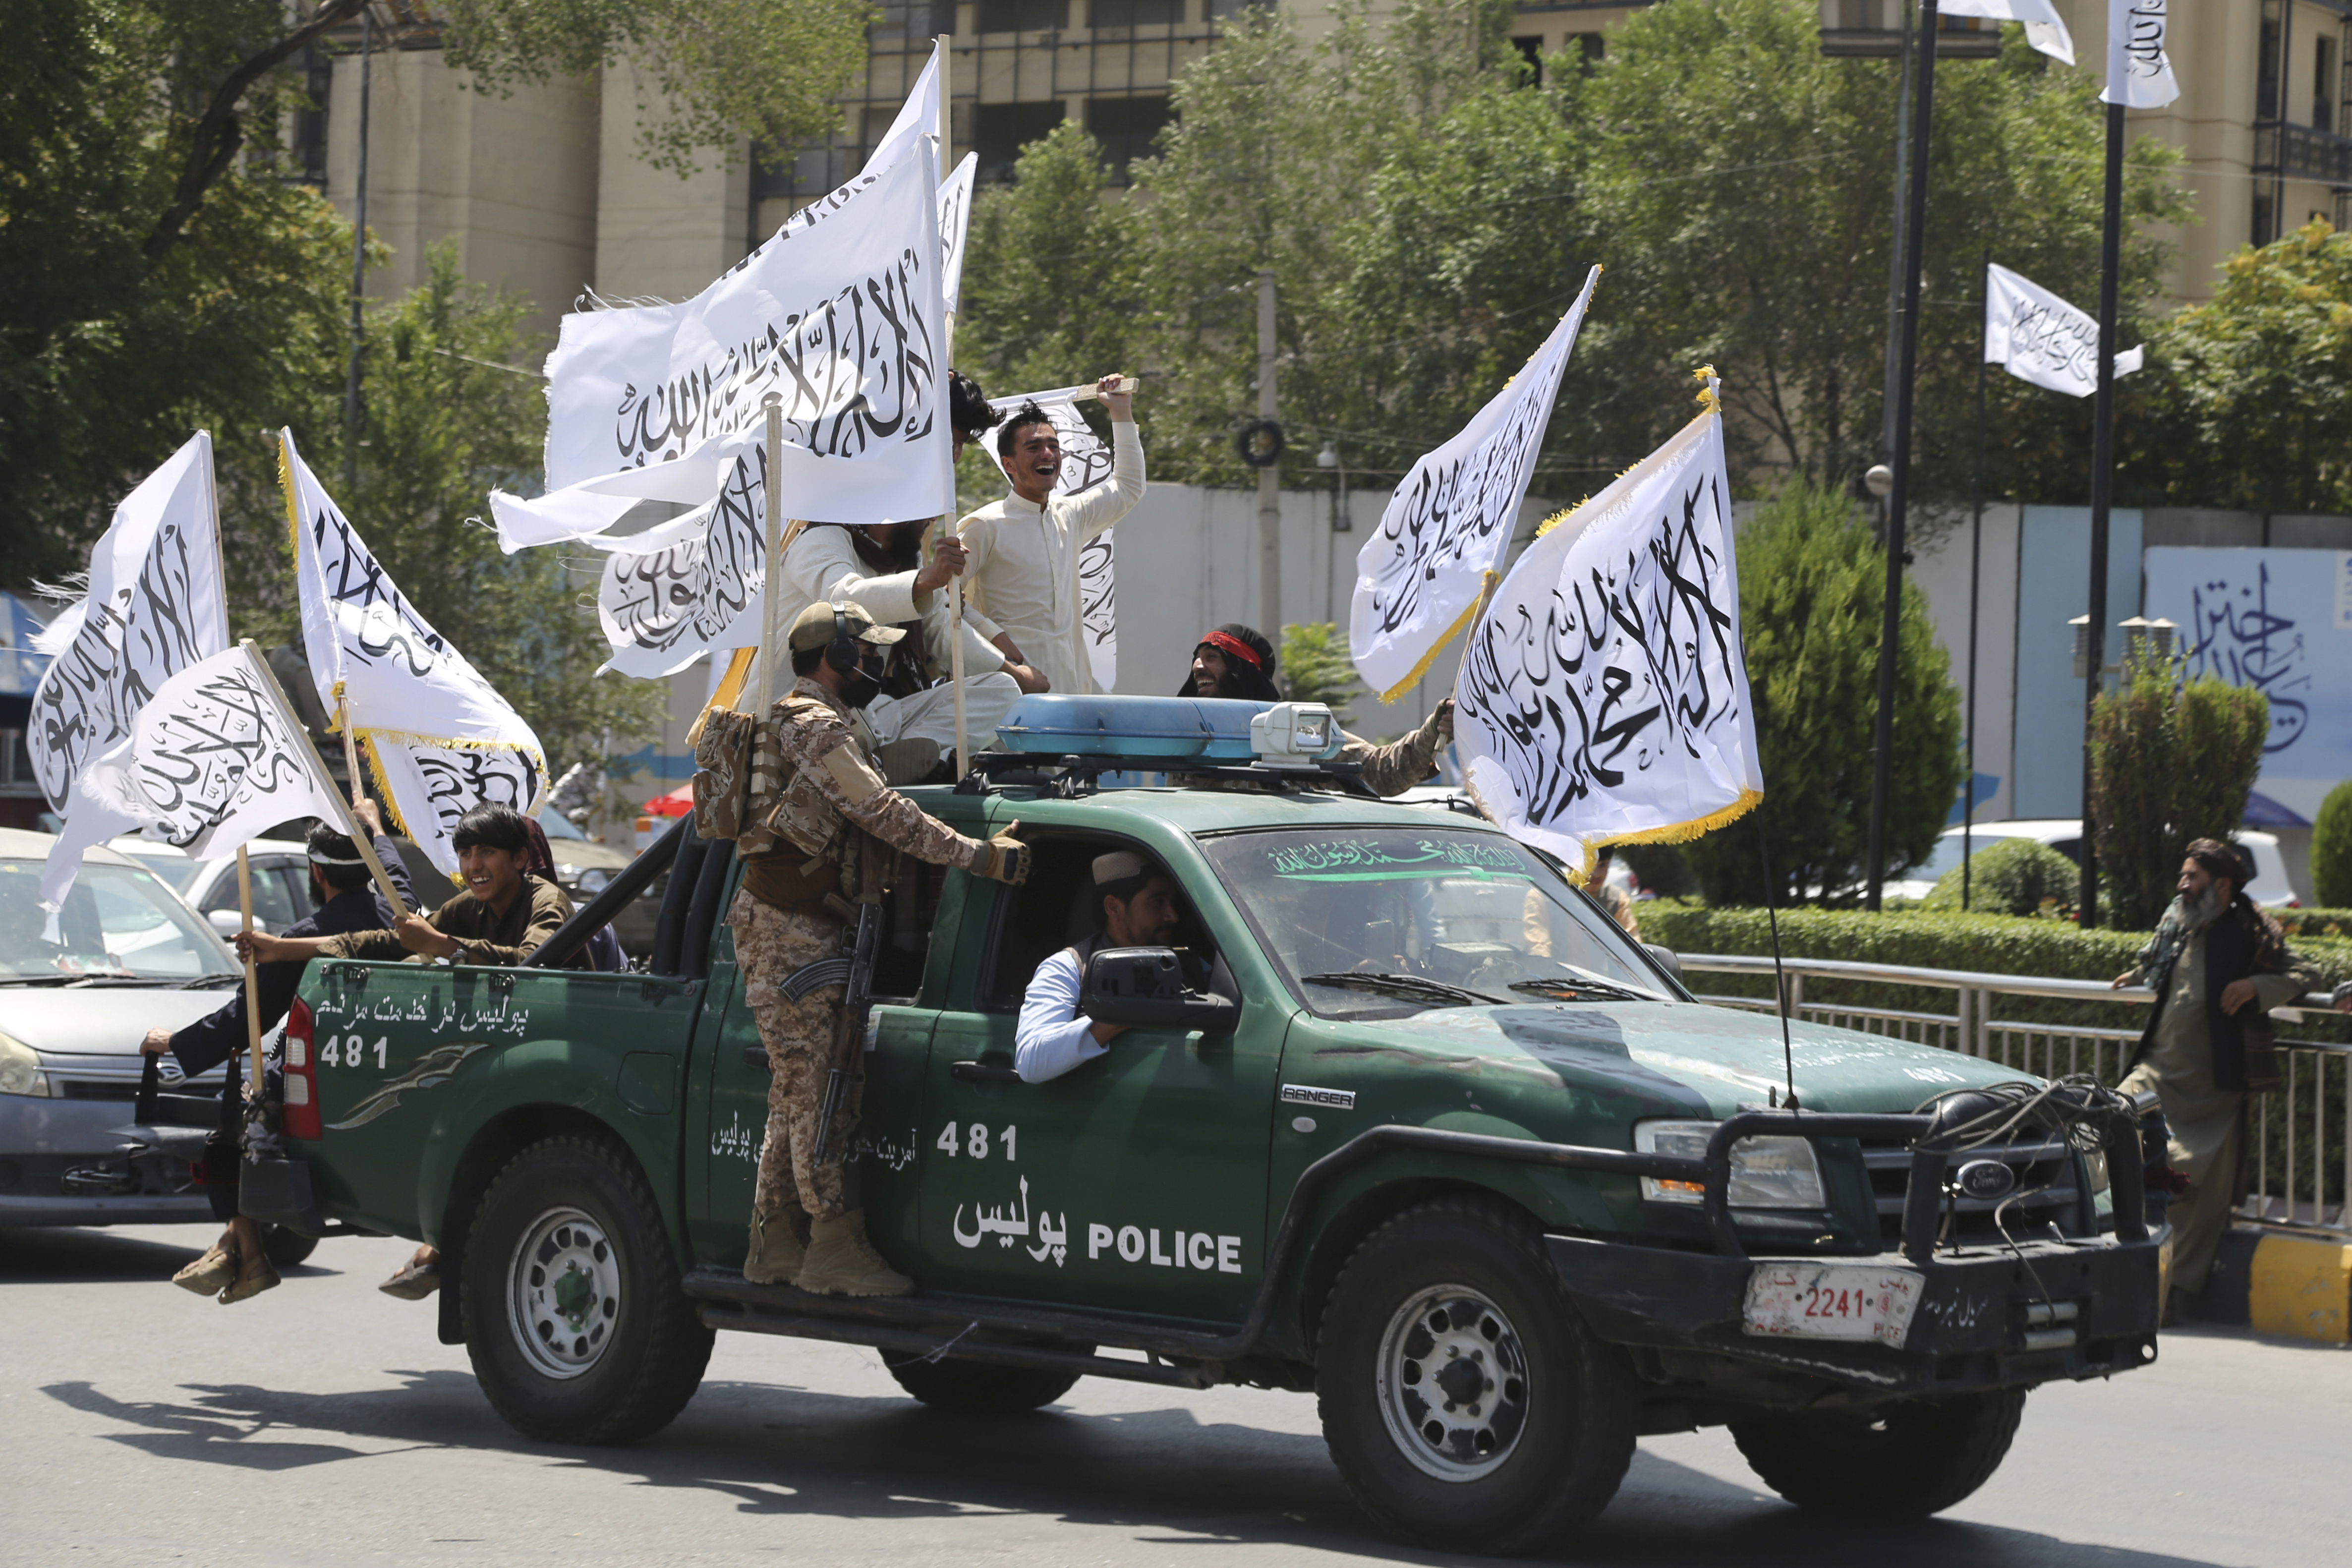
[(977, 1388), (574, 1319), (1899, 1461), (1462, 1398)]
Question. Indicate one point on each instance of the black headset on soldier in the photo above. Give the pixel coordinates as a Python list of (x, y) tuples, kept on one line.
[(841, 654)]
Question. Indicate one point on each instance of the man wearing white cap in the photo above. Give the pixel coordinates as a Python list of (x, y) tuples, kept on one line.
[(1135, 905)]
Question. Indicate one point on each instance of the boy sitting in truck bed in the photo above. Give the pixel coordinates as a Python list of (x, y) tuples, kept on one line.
[(500, 916)]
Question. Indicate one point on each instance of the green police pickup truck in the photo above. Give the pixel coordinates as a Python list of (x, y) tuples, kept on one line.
[(1428, 1136)]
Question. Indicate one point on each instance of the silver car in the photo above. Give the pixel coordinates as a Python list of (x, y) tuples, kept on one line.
[(134, 957)]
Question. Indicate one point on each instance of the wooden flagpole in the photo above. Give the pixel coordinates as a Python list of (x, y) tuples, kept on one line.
[(326, 780), (252, 978), (764, 668), (940, 165)]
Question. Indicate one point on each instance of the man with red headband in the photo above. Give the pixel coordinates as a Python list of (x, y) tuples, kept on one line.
[(1235, 661)]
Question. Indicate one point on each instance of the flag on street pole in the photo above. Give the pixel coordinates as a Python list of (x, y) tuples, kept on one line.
[(2139, 70), (2044, 29), (1442, 539), (1603, 696), (412, 701), (845, 323), (2038, 337)]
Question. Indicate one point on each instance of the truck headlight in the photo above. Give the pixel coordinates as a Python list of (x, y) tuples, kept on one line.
[(20, 1070), (2103, 1192), (1767, 1173)]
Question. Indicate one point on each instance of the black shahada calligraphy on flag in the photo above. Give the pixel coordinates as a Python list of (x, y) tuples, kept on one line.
[(1443, 535), (444, 783), (372, 652), (842, 320), (690, 585), (1603, 696), (155, 607), (211, 762)]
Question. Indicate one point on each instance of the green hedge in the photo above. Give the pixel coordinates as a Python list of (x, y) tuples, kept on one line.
[(2315, 923), (1992, 944)]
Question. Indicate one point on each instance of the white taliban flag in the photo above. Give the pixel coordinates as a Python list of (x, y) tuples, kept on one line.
[(955, 227), (213, 761), (2045, 28), (1604, 697), (416, 706), (2038, 337), (1085, 462), (155, 607), (2139, 70), (842, 319), (1442, 539), (692, 585), (210, 762)]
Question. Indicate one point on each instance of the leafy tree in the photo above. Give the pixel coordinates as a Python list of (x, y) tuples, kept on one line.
[(1811, 587), (1742, 183), (2247, 401), (158, 271), (1050, 291), (2331, 850), (2170, 762), (1315, 667), (445, 423)]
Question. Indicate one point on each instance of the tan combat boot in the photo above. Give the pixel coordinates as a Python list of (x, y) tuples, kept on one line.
[(778, 1248), (842, 1262)]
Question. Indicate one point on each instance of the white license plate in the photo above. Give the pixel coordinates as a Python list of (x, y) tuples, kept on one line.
[(1833, 1302)]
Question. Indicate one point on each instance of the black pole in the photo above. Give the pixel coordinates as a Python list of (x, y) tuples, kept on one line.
[(1891, 624), (1779, 981), (359, 260), (1975, 559), (2102, 476), (1898, 251)]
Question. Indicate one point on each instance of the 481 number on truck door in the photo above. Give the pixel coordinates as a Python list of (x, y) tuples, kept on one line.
[(974, 1142)]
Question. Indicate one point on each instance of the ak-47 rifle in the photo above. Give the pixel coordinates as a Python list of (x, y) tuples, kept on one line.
[(849, 1033)]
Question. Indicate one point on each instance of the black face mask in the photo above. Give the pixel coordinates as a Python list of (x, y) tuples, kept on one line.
[(864, 684)]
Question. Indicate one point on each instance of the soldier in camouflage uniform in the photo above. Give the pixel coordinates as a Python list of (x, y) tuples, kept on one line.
[(820, 829)]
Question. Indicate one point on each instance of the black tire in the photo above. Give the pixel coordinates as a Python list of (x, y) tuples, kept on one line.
[(1531, 1453), (977, 1388), (1899, 1461), (285, 1248), (615, 1347)]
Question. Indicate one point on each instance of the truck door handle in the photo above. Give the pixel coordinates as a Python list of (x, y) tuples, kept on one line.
[(981, 1072), (755, 1056)]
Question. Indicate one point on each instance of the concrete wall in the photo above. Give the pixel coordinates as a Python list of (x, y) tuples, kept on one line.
[(657, 233), (512, 180)]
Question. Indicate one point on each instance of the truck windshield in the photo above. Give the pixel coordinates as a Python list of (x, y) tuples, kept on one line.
[(1445, 919)]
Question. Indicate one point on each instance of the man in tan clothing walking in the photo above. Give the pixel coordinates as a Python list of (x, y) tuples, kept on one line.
[(826, 830)]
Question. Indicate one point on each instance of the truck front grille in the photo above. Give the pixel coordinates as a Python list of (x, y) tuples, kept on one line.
[(2046, 1191)]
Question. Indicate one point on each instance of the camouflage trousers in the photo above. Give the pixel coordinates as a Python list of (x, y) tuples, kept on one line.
[(770, 944)]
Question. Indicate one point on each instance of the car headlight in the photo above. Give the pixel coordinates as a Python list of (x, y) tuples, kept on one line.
[(1767, 1173), (595, 879), (20, 1070)]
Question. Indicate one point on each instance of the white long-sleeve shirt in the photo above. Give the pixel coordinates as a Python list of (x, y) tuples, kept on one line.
[(1052, 1037), (1024, 562), (823, 563)]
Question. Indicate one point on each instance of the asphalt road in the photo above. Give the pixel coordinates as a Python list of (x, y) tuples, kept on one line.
[(322, 1424)]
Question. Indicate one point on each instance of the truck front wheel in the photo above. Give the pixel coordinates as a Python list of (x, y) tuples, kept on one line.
[(1899, 1461), (1462, 1400), (574, 1319)]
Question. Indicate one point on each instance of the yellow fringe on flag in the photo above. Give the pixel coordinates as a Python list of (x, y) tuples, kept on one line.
[(1677, 833), (293, 518), (1461, 624), (1709, 401)]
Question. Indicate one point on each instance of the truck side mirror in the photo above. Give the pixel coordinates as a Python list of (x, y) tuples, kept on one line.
[(1664, 957), (1143, 989)]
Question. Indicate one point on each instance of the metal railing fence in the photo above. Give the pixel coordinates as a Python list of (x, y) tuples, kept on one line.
[(2301, 1131)]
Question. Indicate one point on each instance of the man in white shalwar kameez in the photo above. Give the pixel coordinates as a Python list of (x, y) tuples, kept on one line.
[(1024, 576)]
